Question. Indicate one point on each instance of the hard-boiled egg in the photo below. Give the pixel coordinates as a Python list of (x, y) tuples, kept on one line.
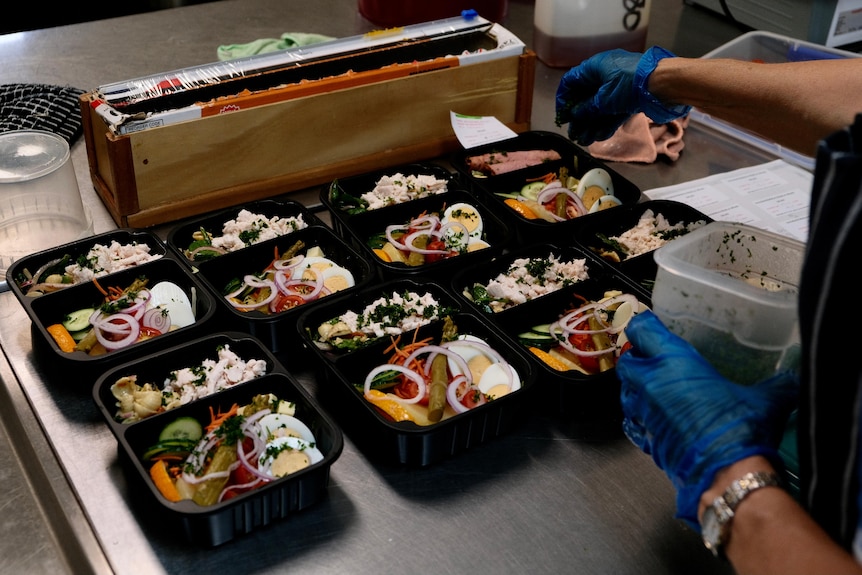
[(285, 455), (338, 278), (495, 383), (603, 203), (334, 276), (597, 177), (466, 215), (317, 263), (488, 374), (171, 297), (477, 244), (281, 424), (622, 315)]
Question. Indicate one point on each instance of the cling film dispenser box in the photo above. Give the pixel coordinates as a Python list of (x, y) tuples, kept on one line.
[(181, 143)]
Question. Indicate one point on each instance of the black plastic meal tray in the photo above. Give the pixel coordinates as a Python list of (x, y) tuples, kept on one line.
[(406, 443), (277, 330), (641, 268), (32, 263), (572, 157), (250, 511), (363, 226), (356, 186), (181, 236), (156, 369), (53, 308)]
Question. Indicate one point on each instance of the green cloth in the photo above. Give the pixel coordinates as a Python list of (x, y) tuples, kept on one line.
[(263, 45)]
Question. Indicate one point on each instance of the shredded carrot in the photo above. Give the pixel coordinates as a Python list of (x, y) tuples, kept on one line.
[(217, 420), (583, 301), (547, 178), (100, 288), (166, 457), (394, 345), (400, 353), (114, 292)]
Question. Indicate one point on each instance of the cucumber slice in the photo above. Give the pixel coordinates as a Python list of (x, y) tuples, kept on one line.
[(187, 428), (531, 190), (78, 320), (179, 447), (533, 339), (543, 329)]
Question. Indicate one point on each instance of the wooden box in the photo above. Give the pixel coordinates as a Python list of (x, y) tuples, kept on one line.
[(184, 169)]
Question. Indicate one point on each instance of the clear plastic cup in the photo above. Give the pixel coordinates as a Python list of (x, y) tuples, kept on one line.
[(40, 203)]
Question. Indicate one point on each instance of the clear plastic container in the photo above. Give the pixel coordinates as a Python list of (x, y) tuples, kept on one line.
[(731, 291), (769, 48), (40, 203), (565, 33)]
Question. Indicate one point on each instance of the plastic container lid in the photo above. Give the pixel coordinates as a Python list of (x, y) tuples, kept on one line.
[(40, 203)]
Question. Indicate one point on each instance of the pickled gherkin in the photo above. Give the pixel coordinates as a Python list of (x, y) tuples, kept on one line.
[(208, 491)]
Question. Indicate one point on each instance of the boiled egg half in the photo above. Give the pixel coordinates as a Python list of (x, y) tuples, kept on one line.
[(488, 373), (466, 215), (290, 445), (172, 298), (334, 276)]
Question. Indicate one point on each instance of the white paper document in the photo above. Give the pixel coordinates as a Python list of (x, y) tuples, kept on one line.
[(774, 196), (473, 131)]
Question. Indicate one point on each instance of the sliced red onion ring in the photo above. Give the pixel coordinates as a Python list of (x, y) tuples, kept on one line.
[(134, 330), (316, 285), (455, 398), (288, 264), (427, 222), (568, 321), (433, 350), (158, 319), (256, 283), (548, 193), (487, 350), (420, 382), (396, 242), (408, 242)]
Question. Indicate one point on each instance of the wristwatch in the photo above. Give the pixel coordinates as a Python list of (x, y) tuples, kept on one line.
[(715, 524)]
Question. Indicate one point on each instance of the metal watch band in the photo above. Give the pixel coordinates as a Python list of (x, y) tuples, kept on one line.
[(719, 515), (740, 488)]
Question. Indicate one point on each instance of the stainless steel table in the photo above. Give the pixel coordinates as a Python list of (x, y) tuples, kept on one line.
[(554, 496)]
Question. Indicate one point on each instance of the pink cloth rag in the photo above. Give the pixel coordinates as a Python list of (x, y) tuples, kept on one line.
[(642, 140)]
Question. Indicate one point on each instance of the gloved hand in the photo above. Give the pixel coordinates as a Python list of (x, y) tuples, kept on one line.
[(692, 420), (601, 93)]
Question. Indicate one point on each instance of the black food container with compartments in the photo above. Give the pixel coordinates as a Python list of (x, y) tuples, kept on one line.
[(379, 436), (276, 327), (233, 516), (488, 239), (591, 395), (263, 217), (598, 233), (531, 149)]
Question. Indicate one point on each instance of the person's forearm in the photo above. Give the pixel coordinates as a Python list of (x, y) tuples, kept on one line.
[(771, 533), (794, 104)]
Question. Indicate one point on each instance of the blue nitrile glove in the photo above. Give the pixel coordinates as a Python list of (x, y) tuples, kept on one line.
[(692, 420), (597, 96)]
